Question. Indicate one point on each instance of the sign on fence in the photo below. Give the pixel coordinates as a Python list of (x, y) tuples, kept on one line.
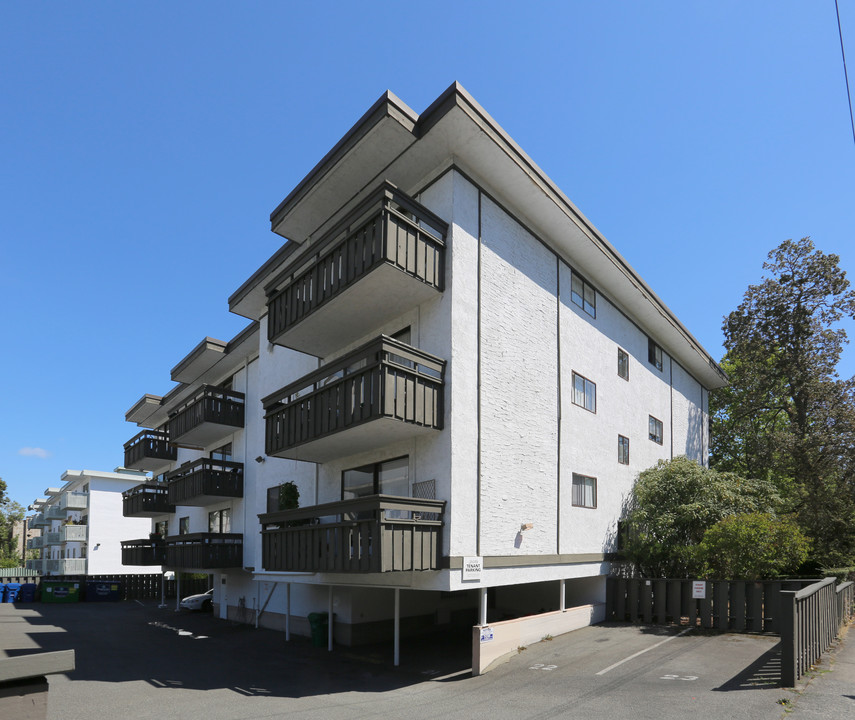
[(699, 590)]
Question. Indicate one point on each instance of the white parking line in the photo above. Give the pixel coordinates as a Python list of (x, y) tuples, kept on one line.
[(641, 652)]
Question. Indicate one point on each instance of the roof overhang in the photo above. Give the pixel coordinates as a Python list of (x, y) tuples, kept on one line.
[(392, 143)]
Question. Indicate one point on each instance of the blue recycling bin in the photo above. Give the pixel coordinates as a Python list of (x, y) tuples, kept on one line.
[(2, 592), (27, 593), (11, 592)]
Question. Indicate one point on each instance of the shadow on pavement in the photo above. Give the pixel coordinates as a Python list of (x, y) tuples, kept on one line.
[(762, 674), (131, 642)]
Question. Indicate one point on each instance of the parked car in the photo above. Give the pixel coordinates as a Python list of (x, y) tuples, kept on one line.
[(203, 601)]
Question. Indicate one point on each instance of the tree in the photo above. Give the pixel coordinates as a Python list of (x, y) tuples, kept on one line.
[(787, 416), (11, 513), (674, 503), (752, 546)]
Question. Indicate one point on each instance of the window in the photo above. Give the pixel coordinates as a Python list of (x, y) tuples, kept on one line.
[(161, 528), (622, 364), (584, 393), (654, 354), (583, 295), (183, 525), (654, 429), (222, 453), (220, 521), (623, 450), (391, 477), (584, 491)]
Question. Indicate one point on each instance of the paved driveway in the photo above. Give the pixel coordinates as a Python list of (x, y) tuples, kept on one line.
[(138, 662)]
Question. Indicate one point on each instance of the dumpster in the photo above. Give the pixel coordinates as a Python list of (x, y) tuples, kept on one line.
[(27, 592), (11, 594), (319, 623), (2, 592), (103, 591), (60, 591)]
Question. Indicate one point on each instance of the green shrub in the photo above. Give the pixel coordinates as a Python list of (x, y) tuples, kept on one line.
[(752, 546)]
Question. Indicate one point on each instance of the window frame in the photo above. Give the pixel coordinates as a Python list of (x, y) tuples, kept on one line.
[(623, 355), (376, 468), (655, 354), (216, 517), (577, 482), (580, 299), (586, 382), (659, 437), (184, 525), (623, 449)]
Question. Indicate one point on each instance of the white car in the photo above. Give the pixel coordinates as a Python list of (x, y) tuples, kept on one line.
[(204, 601)]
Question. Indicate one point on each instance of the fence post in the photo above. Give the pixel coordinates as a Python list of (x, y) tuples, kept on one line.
[(789, 633)]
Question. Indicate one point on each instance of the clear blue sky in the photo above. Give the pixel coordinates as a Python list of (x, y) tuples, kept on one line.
[(144, 144)]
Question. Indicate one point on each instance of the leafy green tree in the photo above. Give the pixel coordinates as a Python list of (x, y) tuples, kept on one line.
[(787, 417), (10, 514), (674, 503), (752, 546)]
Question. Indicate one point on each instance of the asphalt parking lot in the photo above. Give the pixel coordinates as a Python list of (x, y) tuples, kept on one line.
[(137, 661)]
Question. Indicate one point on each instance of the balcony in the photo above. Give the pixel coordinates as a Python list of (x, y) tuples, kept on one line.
[(380, 393), (55, 512), (39, 521), (210, 415), (384, 259), (72, 533), (35, 543), (149, 450), (74, 500), (204, 482), (204, 551), (38, 565), (378, 533), (66, 566), (147, 500), (143, 552), (52, 537)]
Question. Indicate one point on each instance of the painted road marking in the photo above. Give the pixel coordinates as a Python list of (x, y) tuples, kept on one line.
[(679, 677), (541, 666), (641, 652)]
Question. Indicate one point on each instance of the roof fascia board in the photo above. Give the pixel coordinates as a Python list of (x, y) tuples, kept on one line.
[(388, 105)]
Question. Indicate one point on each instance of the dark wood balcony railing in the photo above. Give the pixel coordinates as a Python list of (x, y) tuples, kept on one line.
[(383, 379), (400, 233), (379, 533), (205, 481), (205, 550), (210, 405), (143, 552), (147, 500), (148, 448)]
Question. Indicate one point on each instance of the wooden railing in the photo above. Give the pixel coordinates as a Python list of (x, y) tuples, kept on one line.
[(382, 379), (811, 618), (379, 533), (210, 404), (149, 444), (143, 552), (400, 232), (219, 478), (150, 498), (204, 550)]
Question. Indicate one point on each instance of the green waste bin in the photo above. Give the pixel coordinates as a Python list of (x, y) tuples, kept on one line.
[(60, 591), (319, 623)]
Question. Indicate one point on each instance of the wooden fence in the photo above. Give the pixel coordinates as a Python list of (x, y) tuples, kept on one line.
[(134, 587)]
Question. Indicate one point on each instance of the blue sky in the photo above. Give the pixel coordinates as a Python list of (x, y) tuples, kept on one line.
[(144, 144)]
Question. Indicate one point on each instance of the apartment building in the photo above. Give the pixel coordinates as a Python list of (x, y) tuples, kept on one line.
[(82, 526), (459, 374)]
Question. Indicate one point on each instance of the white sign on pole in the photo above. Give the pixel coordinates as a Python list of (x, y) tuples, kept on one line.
[(486, 634), (472, 568), (699, 590)]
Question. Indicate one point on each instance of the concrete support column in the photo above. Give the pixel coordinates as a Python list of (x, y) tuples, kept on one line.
[(397, 627), (482, 615), (287, 612), (562, 603), (330, 621), (177, 590)]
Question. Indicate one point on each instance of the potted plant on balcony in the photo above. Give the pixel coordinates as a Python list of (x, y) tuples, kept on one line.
[(289, 499)]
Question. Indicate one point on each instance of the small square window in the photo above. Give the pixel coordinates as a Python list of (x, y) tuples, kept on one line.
[(654, 354), (584, 491), (654, 429), (623, 450), (584, 393), (623, 364), (183, 525), (583, 295)]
